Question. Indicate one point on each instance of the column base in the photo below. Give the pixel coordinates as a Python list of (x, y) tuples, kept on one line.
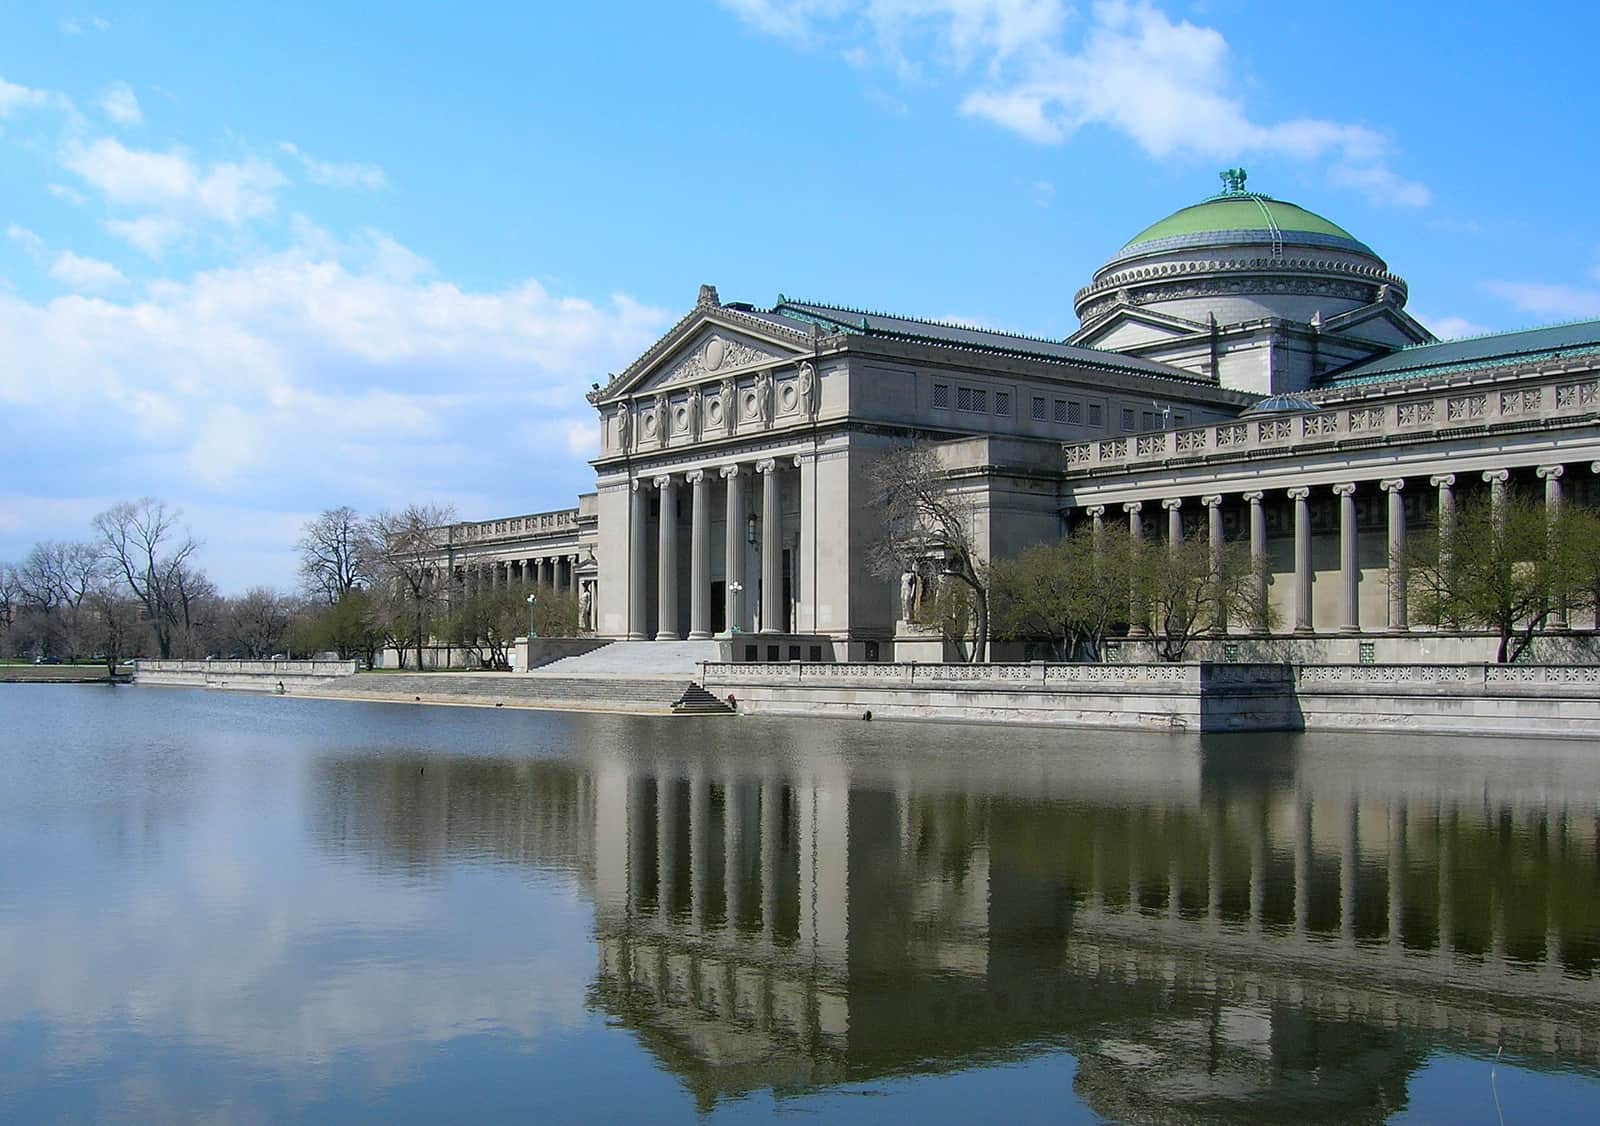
[(699, 635), (1349, 629), (634, 637), (665, 636), (1304, 630)]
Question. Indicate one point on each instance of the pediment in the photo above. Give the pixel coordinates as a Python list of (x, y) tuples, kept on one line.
[(1380, 322), (712, 352), (1128, 326), (712, 342)]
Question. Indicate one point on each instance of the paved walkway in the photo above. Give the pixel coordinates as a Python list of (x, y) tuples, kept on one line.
[(653, 696)]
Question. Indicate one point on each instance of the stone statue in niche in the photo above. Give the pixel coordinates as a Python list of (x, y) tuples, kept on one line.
[(624, 427), (662, 422), (908, 595), (808, 390), (586, 606), (730, 404)]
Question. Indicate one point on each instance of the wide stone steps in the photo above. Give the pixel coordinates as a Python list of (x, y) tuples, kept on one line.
[(637, 659), (697, 701)]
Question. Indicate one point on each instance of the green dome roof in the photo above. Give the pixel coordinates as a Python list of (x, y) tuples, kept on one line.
[(1240, 211)]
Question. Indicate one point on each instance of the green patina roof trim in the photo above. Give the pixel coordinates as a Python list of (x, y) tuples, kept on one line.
[(1239, 211)]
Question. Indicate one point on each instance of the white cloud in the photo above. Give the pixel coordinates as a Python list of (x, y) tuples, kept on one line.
[(1450, 328), (77, 25), (85, 274), (121, 105), (152, 234), (229, 192), (349, 372), (1045, 72), (14, 97), (349, 174), (71, 195), (30, 242), (1553, 302)]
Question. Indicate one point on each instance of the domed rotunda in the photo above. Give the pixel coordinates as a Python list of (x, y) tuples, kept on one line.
[(1253, 292)]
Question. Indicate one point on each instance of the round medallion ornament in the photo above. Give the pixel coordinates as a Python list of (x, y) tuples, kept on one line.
[(649, 424), (714, 352), (787, 395), (683, 417), (749, 403), (714, 411)]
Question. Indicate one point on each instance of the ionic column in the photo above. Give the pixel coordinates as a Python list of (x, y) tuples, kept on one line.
[(1397, 552), (1552, 512), (771, 842), (733, 548), (1174, 524), (1445, 483), (1349, 563), (1137, 626), (637, 531), (699, 556), (1258, 556), (1497, 479), (771, 549), (1097, 519), (1349, 857), (1302, 866), (667, 561), (1397, 872), (494, 577), (1213, 505), (1302, 559), (699, 869)]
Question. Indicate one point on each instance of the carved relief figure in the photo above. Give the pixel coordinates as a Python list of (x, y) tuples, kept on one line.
[(624, 427), (694, 407), (730, 405), (764, 398), (662, 422)]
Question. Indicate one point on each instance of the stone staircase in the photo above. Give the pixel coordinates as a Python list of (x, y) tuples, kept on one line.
[(636, 659), (697, 701)]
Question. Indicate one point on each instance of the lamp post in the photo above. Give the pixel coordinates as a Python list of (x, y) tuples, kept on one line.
[(531, 632), (735, 589)]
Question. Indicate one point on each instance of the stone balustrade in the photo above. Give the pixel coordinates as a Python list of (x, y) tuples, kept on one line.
[(1559, 396), (512, 527), (250, 668)]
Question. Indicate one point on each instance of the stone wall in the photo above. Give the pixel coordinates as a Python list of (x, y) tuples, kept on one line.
[(1482, 699), (250, 676)]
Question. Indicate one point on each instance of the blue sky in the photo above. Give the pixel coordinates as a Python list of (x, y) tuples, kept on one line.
[(262, 262)]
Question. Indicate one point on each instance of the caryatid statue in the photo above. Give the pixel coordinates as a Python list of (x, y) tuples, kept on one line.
[(764, 397), (586, 606), (808, 390), (728, 397), (624, 427), (694, 405)]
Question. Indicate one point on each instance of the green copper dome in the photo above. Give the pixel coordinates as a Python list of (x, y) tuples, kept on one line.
[(1237, 212)]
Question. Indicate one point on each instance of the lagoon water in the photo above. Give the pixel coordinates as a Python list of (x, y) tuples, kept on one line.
[(253, 909)]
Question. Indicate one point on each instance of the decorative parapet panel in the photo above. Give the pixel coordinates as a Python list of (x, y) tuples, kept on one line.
[(1556, 398), (248, 668), (1568, 680), (561, 522)]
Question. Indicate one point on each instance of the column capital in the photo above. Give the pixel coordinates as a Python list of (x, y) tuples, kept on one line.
[(1442, 480), (665, 481), (695, 476), (1299, 492), (1212, 501), (1172, 504), (1548, 471), (638, 485), (1255, 497), (1497, 476), (1392, 484), (1594, 467), (729, 470), (767, 465), (1345, 489), (1094, 509), (1132, 506)]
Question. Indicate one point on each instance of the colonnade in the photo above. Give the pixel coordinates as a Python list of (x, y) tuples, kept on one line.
[(552, 572), (768, 518), (1444, 485)]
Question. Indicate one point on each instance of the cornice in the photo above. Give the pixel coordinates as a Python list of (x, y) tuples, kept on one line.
[(1265, 268)]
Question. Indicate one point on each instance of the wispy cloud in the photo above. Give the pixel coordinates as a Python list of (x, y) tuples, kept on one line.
[(347, 174), (78, 273), (1548, 301), (14, 98), (121, 105), (79, 25), (1046, 71)]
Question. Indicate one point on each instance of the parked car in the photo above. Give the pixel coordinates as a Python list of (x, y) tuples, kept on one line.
[(47, 660)]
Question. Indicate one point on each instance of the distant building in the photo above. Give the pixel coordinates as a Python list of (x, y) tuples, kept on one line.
[(1245, 369)]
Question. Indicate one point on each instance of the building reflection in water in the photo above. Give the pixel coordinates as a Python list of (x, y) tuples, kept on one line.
[(1242, 928)]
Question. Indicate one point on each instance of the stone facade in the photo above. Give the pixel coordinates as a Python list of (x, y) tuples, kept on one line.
[(734, 478)]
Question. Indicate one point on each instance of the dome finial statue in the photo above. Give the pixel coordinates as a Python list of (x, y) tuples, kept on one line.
[(1233, 180)]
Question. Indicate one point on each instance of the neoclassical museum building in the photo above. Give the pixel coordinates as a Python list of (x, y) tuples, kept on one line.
[(1245, 369)]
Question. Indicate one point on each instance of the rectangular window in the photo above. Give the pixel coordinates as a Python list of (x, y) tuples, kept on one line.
[(1041, 411), (941, 396), (1128, 419), (1147, 421), (1074, 412), (1002, 402), (1095, 414), (1180, 420), (963, 398), (972, 399), (980, 400), (1061, 411)]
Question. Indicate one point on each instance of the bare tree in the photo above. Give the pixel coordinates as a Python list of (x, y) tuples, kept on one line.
[(923, 518), (53, 582), (333, 555), (147, 549), (258, 621), (10, 597), (407, 548), (114, 624)]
